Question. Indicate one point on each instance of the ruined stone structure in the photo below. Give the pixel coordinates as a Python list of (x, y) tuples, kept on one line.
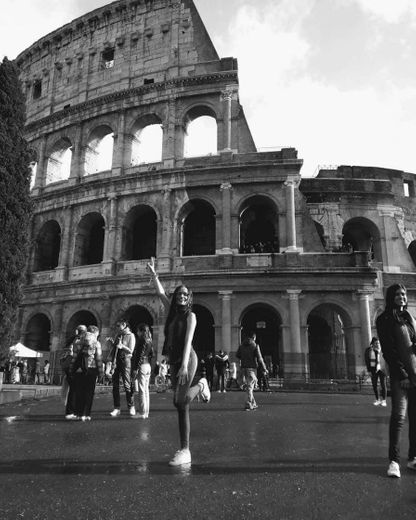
[(113, 99)]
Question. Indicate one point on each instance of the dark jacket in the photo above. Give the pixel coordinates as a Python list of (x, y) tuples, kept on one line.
[(398, 349), (221, 363), (249, 354)]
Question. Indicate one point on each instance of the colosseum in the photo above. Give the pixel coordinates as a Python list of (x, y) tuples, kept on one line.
[(143, 150)]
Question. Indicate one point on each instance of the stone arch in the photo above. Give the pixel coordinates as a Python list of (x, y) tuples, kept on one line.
[(265, 321), (197, 228), (331, 351), (259, 225), (99, 150), (58, 166), (136, 314), (362, 234), (412, 251), (48, 245), (89, 240), (146, 140), (201, 131), (81, 317), (139, 233), (38, 332), (204, 337)]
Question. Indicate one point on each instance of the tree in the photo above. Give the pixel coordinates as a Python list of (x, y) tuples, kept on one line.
[(15, 204)]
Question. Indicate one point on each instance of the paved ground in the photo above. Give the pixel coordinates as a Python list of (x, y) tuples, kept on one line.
[(299, 456)]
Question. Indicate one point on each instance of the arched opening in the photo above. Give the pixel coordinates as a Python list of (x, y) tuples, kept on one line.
[(38, 332), (138, 314), (204, 337), (58, 167), (412, 251), (259, 226), (266, 323), (200, 132), (360, 234), (139, 233), (48, 245), (99, 151), (89, 241), (147, 140), (329, 356), (82, 317), (198, 229), (33, 167)]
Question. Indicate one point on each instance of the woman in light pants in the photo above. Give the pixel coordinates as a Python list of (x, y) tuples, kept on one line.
[(141, 369)]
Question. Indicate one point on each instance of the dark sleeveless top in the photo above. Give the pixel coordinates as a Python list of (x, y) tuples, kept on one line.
[(175, 338)]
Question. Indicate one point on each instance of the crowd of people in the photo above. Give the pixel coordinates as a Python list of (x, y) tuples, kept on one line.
[(24, 372), (392, 353)]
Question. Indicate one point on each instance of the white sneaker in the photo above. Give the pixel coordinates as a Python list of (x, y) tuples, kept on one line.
[(115, 413), (383, 403), (181, 457), (394, 469), (132, 410), (377, 402), (204, 392), (411, 464), (70, 417)]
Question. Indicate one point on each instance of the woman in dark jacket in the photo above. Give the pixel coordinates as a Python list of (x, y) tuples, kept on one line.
[(179, 332), (141, 369), (396, 330)]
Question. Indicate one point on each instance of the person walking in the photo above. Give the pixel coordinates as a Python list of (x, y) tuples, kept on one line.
[(375, 366), (221, 365), (71, 376), (179, 333), (209, 369), (123, 348), (46, 369), (233, 376), (141, 368), (396, 329), (250, 357)]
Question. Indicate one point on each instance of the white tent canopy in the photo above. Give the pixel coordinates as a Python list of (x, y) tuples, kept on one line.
[(19, 350)]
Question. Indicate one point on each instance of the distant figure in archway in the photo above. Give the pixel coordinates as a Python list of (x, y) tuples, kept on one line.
[(375, 366)]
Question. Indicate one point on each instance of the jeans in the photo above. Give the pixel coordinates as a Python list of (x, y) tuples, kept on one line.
[(251, 380), (375, 376), (123, 369), (143, 376), (402, 400), (221, 381)]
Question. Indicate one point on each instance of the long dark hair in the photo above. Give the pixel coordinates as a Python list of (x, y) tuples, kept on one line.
[(144, 335), (391, 307), (173, 309)]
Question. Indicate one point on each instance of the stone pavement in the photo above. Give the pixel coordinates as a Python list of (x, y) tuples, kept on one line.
[(299, 456)]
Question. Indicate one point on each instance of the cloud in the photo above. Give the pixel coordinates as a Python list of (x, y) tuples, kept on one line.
[(391, 11)]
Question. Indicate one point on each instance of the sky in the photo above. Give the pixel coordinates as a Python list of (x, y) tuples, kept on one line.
[(336, 79)]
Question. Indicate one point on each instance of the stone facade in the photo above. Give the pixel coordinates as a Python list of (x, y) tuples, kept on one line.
[(302, 261)]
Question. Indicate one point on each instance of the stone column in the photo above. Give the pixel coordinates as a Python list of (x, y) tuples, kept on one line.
[(226, 98), (110, 235), (169, 138), (226, 249), (118, 151), (41, 168), (66, 243), (57, 339), (364, 300), (226, 320), (291, 184), (294, 362), (77, 167), (386, 244), (165, 233)]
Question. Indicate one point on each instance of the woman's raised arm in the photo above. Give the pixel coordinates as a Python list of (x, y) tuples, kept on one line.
[(156, 282)]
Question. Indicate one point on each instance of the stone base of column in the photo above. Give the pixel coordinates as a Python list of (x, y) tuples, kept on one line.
[(164, 264), (293, 249), (225, 251), (109, 268), (294, 368)]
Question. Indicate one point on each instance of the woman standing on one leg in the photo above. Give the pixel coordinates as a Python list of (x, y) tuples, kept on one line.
[(179, 332), (396, 330), (141, 369)]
